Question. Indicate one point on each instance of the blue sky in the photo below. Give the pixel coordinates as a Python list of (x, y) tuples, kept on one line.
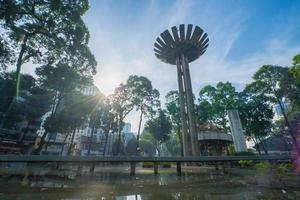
[(244, 35)]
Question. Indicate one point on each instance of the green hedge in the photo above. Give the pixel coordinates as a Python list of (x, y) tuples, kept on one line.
[(151, 164), (166, 164), (147, 164)]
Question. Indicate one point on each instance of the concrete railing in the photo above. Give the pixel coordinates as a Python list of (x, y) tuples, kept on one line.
[(50, 158), (134, 159)]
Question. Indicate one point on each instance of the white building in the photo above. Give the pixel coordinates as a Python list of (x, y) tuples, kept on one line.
[(84, 140)]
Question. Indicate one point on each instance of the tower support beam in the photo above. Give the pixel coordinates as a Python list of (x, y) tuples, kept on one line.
[(190, 105), (183, 115), (189, 135)]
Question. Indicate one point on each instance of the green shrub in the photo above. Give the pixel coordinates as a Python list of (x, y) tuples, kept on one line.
[(166, 164), (147, 164), (151, 164), (285, 167), (231, 149), (246, 163), (263, 165)]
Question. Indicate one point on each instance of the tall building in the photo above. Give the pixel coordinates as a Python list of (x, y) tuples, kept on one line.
[(127, 133), (126, 128)]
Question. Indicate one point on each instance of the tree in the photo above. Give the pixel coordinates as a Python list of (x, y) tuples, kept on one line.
[(102, 117), (204, 115), (173, 145), (31, 105), (122, 105), (109, 122), (160, 128), (60, 80), (294, 79), (296, 60), (6, 54), (96, 116), (144, 97), (45, 32), (72, 115), (147, 147), (7, 92), (218, 100), (256, 115), (147, 143), (173, 111), (131, 146), (36, 104), (147, 136), (274, 82)]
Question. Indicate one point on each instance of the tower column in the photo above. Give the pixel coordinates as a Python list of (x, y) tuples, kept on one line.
[(190, 105), (182, 101)]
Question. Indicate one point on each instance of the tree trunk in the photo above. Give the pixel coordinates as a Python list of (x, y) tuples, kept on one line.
[(57, 100), (19, 64), (21, 140), (224, 122), (63, 146), (110, 144), (72, 141), (40, 148), (90, 140), (158, 151), (263, 145), (105, 144), (47, 144), (138, 134), (257, 146), (180, 140), (119, 135)]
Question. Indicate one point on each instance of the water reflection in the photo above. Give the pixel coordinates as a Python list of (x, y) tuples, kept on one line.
[(117, 184)]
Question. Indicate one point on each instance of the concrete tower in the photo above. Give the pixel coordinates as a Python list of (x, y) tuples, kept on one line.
[(239, 140), (180, 48)]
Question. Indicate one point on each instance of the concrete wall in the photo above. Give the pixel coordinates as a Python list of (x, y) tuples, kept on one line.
[(239, 140), (211, 135)]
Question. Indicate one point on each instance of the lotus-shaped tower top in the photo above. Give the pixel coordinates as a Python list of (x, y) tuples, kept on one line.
[(191, 42)]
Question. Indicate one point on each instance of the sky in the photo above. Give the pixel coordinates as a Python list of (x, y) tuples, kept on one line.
[(244, 35)]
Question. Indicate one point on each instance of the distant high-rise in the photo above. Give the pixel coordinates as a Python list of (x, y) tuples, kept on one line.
[(127, 128), (127, 133)]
